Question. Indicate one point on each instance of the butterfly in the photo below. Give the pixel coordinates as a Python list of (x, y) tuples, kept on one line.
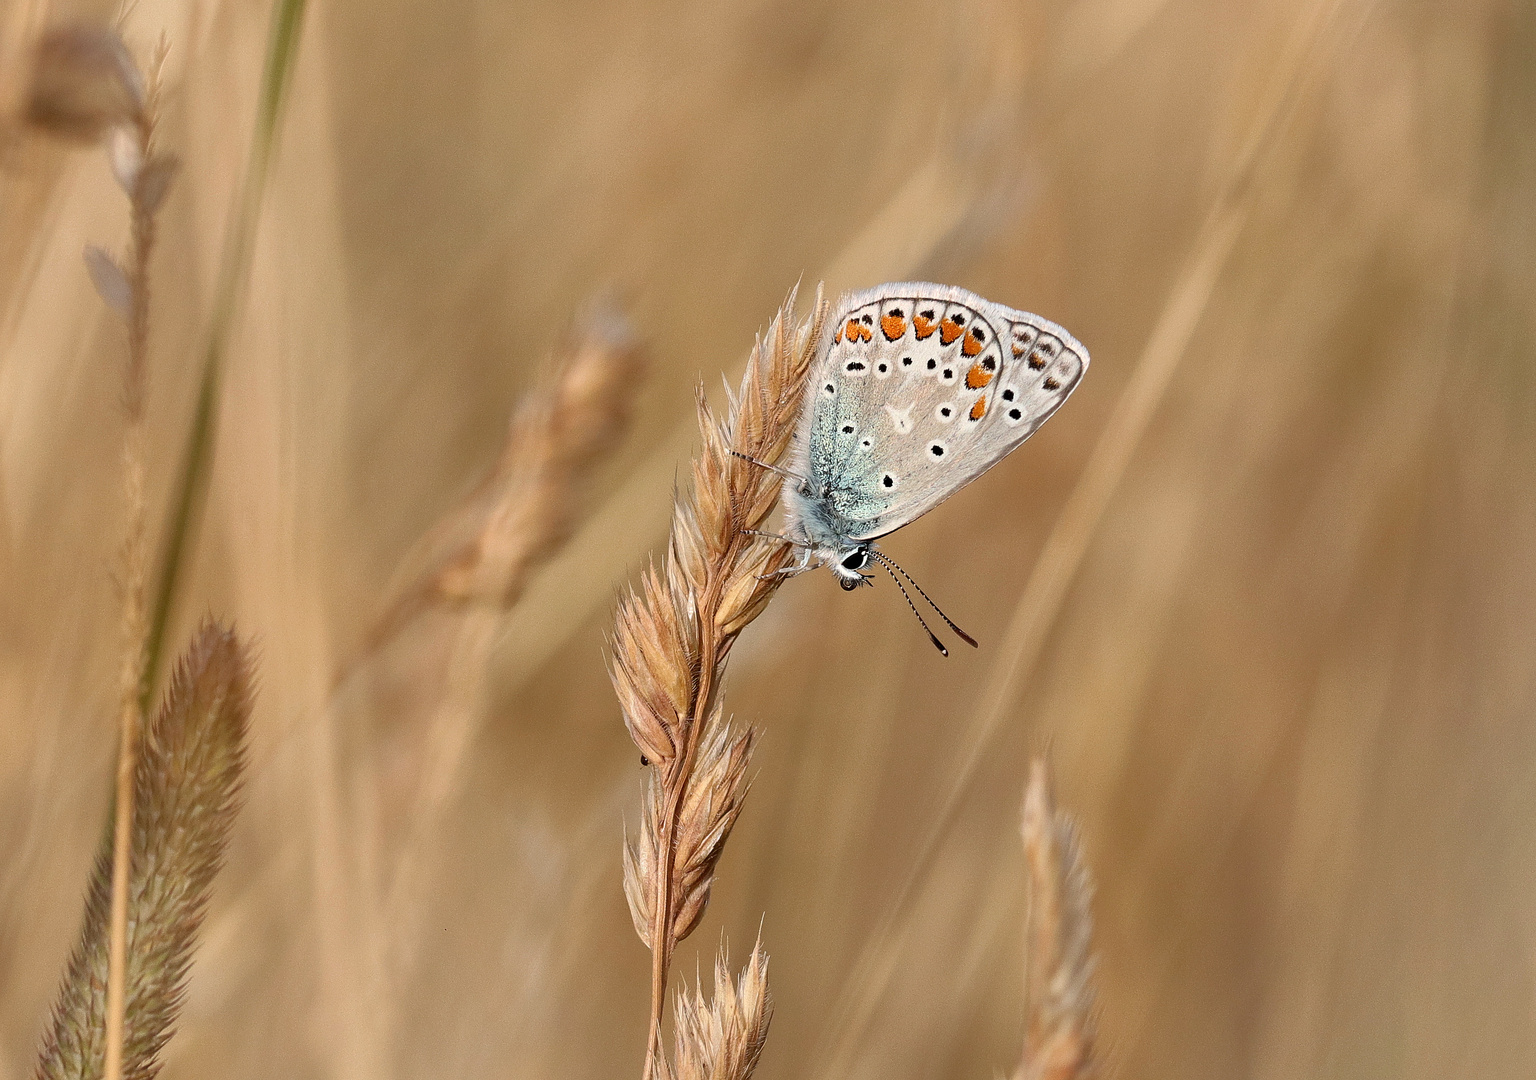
[(917, 389)]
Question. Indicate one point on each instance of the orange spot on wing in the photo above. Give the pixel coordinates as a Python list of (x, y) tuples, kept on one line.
[(1018, 350), (971, 346), (864, 334), (893, 326), (923, 327), (853, 330), (948, 331), (976, 378), (979, 409), (839, 337)]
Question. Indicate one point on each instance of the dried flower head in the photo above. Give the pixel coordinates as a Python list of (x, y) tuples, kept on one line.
[(83, 83)]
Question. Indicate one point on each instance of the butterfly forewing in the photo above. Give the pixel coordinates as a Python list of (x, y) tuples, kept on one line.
[(920, 389)]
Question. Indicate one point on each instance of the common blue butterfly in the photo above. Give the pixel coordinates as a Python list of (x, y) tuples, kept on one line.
[(917, 389)]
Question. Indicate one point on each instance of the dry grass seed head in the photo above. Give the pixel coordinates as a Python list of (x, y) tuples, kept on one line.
[(713, 582), (555, 439), (485, 549), (1059, 1032), (185, 797), (709, 810), (672, 637), (722, 1038)]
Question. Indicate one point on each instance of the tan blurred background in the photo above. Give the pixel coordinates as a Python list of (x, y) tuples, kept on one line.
[(1288, 692)]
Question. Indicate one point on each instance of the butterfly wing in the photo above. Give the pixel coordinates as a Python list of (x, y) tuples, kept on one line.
[(920, 389)]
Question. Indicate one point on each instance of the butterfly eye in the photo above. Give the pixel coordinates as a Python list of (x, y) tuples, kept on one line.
[(856, 560)]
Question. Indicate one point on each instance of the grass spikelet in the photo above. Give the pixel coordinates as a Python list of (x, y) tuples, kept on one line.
[(1058, 986), (185, 799), (555, 439), (709, 810), (485, 550), (83, 82), (673, 634), (722, 1038)]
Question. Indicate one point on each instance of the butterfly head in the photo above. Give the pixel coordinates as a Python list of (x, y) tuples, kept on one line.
[(848, 564)]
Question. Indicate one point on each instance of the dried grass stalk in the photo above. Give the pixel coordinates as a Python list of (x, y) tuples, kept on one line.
[(722, 1038), (1058, 987), (85, 85), (673, 634), (476, 562), (485, 550), (185, 798)]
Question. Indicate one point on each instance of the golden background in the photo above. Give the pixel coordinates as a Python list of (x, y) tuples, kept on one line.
[(1286, 675)]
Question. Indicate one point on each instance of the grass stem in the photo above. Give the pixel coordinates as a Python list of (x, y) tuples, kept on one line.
[(135, 625)]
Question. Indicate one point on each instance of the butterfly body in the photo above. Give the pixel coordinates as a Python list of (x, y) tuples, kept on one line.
[(917, 390)]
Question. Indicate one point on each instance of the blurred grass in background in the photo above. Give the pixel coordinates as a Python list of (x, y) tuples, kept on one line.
[(1290, 690)]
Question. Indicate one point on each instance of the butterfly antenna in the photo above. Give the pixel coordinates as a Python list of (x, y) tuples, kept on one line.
[(937, 644), (770, 468), (888, 562)]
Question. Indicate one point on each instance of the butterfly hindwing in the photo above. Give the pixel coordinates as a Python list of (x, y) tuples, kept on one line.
[(919, 390)]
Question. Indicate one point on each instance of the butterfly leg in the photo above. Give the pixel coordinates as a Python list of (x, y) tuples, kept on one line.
[(800, 567), (771, 536), (792, 570)]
